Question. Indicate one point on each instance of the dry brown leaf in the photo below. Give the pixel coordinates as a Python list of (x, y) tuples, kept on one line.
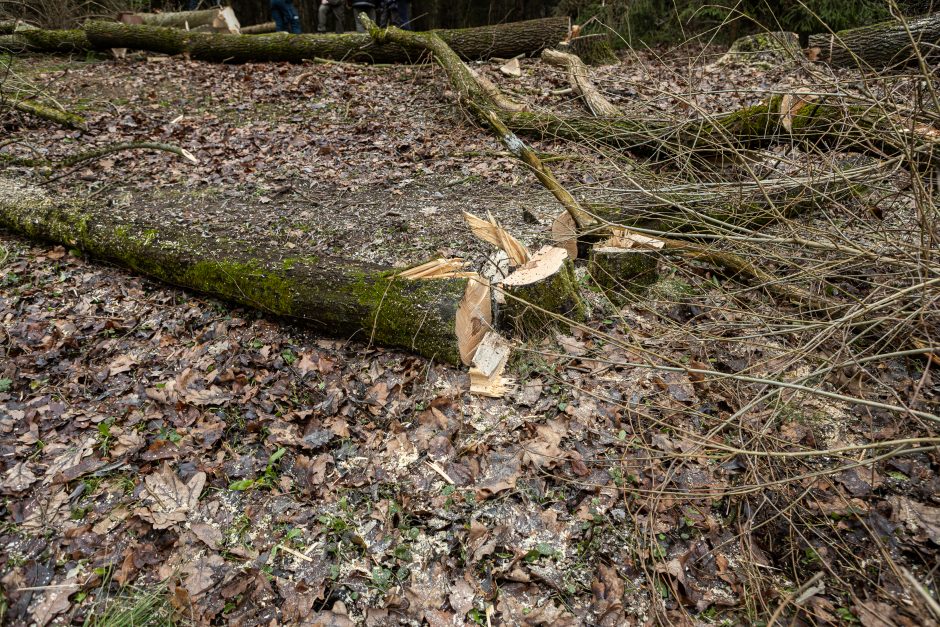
[(169, 500), (54, 601), (920, 519), (18, 478)]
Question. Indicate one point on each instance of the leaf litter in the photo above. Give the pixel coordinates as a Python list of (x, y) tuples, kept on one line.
[(257, 474)]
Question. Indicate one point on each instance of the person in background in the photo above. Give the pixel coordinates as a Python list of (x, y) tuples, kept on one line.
[(337, 8), (393, 13), (363, 6), (404, 14), (286, 18)]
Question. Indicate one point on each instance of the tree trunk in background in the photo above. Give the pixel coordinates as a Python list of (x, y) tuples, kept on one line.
[(877, 46), (504, 40)]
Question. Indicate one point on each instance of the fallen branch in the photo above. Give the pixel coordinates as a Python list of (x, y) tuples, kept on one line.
[(219, 19), (63, 118), (96, 153), (580, 79)]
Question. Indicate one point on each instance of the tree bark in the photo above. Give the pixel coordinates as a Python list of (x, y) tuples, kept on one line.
[(503, 40), (47, 41), (878, 46), (259, 29), (336, 296), (220, 19)]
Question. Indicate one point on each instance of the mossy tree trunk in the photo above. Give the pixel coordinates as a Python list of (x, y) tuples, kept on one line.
[(502, 40), (48, 41), (339, 297)]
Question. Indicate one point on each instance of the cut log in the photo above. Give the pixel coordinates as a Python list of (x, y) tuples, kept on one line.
[(339, 297), (219, 19), (541, 291), (502, 40), (763, 50), (259, 29), (880, 45)]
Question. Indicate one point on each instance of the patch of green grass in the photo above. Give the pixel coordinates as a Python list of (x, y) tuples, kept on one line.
[(134, 607)]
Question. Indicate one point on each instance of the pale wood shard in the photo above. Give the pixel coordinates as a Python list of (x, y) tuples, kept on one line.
[(546, 262), (474, 317), (489, 231), (438, 269), (622, 238), (565, 234), (511, 68), (489, 363)]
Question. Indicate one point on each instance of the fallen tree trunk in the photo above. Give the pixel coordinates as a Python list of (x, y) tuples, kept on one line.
[(442, 318), (878, 46), (502, 40), (47, 41), (220, 19)]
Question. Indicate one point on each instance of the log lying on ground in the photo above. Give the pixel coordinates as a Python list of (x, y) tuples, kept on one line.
[(47, 41), (339, 297), (219, 19), (502, 40), (878, 46), (825, 121), (259, 29)]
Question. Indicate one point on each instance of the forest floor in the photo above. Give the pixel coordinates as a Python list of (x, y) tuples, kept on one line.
[(166, 454)]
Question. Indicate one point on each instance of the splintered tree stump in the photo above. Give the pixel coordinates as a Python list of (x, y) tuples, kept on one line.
[(540, 291), (442, 317), (620, 272)]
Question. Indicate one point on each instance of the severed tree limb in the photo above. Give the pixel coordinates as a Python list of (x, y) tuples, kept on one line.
[(63, 118), (259, 29), (49, 41), (580, 79), (219, 19), (97, 153)]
